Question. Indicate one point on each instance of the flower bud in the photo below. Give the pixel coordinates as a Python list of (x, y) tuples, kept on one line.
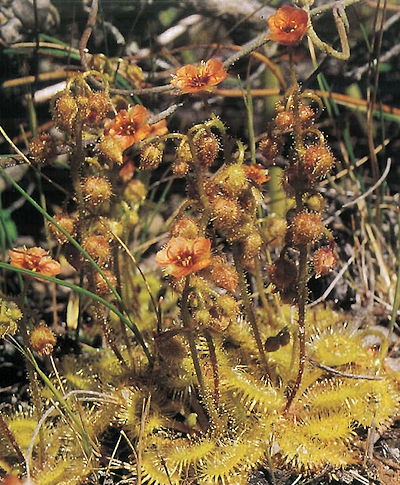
[(256, 173), (111, 149), (107, 227), (42, 340), (270, 147), (64, 112), (151, 156), (180, 168), (316, 203), (96, 107), (324, 260), (306, 115), (317, 161), (251, 245), (127, 171), (207, 148), (101, 287), (185, 227), (249, 200), (67, 222), (98, 248), (228, 305), (307, 228), (183, 154), (284, 120), (242, 230), (226, 213), (231, 179), (223, 275), (96, 191), (42, 148), (135, 192)]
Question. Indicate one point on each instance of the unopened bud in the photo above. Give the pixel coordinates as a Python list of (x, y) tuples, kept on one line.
[(306, 115), (111, 149), (307, 228), (274, 230), (185, 227), (324, 260), (97, 106), (270, 147), (132, 219), (96, 191), (183, 154), (251, 245), (231, 179), (317, 161), (223, 275), (42, 148), (151, 156), (67, 222), (316, 203), (9, 316), (284, 120), (42, 340), (226, 213), (98, 248), (64, 112), (207, 148), (101, 285)]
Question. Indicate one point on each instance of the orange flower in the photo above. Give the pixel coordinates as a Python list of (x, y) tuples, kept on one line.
[(257, 173), (184, 256), (129, 126), (35, 259), (288, 25), (192, 79)]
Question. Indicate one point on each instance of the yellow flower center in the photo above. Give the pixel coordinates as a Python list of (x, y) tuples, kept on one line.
[(185, 260), (291, 27)]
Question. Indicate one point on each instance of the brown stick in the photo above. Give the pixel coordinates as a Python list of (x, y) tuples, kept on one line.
[(91, 22)]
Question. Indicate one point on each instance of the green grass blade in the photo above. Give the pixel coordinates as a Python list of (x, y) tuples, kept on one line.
[(93, 296)]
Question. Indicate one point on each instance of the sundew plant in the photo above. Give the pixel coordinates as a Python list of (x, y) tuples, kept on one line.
[(209, 292)]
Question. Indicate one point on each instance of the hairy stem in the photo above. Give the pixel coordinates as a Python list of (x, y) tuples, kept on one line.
[(187, 322), (301, 304), (249, 310), (214, 364)]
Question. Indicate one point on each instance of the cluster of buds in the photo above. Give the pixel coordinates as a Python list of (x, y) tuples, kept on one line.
[(228, 196), (79, 106), (106, 197), (234, 196), (311, 161)]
